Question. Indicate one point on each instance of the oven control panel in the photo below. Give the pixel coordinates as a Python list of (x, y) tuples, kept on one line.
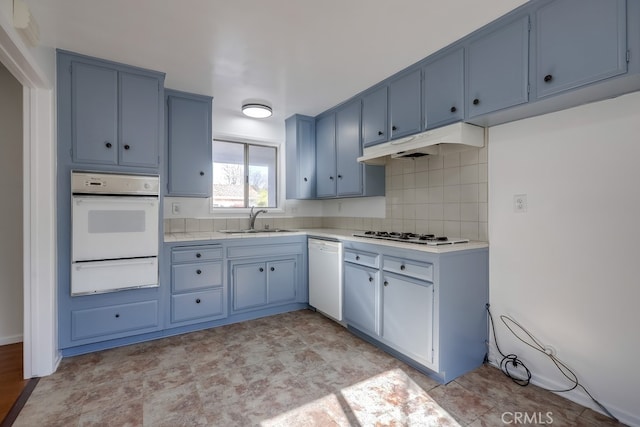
[(106, 183)]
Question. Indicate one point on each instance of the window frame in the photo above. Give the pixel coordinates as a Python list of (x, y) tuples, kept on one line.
[(231, 211)]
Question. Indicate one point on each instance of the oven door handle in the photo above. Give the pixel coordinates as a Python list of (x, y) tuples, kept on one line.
[(115, 199)]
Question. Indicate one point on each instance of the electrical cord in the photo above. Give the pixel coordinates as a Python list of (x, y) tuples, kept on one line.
[(512, 360)]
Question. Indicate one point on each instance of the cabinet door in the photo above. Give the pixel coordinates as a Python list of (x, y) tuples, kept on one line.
[(374, 117), (405, 105), (326, 156), (407, 316), (139, 118), (497, 69), (249, 285), (360, 297), (189, 139), (94, 114), (301, 157), (579, 42), (443, 90), (348, 147), (282, 280)]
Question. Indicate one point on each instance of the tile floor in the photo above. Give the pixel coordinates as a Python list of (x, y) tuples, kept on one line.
[(293, 369)]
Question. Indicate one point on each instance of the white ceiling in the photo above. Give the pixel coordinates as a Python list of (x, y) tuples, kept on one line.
[(301, 56)]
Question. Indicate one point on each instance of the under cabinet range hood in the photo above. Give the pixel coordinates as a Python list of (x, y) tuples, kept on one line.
[(447, 139)]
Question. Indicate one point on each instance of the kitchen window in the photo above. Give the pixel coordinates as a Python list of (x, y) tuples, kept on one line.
[(244, 175)]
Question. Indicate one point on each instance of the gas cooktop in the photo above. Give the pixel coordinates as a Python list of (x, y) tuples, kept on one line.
[(421, 239)]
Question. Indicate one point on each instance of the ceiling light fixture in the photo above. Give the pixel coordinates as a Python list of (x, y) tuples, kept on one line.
[(257, 111)]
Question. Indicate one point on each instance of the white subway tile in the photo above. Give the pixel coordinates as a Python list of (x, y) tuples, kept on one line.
[(397, 211), (409, 195), (422, 211), (435, 177), (469, 193), (451, 176), (422, 179), (452, 228), (483, 154), (422, 195), (469, 211), (409, 225), (436, 211), (483, 231), (407, 165), (451, 193), (483, 193), (205, 224), (469, 157), (483, 172), (483, 212), (409, 212), (409, 180), (422, 164), (422, 227), (451, 160), (436, 195), (469, 174), (469, 230), (177, 225), (436, 227), (436, 162), (219, 224), (451, 212), (191, 225)]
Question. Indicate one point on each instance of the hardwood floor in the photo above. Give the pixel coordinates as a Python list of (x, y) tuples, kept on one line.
[(11, 381)]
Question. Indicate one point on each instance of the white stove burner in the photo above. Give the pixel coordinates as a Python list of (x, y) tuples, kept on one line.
[(421, 239)]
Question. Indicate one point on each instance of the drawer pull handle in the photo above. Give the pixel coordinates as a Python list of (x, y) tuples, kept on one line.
[(108, 145), (197, 300), (339, 176), (380, 133), (198, 255), (548, 78), (357, 257), (127, 146), (198, 271), (201, 173), (305, 179), (117, 315), (394, 128), (402, 267), (370, 279), (331, 178), (273, 269), (261, 269), (386, 283), (476, 101), (453, 109)]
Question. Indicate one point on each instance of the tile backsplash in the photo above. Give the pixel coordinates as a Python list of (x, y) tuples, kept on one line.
[(443, 195)]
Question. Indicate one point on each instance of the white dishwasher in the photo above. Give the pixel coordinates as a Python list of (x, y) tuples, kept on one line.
[(325, 277)]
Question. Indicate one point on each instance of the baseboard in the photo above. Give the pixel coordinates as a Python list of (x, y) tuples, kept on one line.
[(577, 396), (11, 339)]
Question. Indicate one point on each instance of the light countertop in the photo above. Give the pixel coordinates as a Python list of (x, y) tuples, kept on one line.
[(326, 233)]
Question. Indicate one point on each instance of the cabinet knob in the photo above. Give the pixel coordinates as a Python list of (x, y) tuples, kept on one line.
[(127, 146), (402, 267), (476, 101), (273, 269), (453, 109), (380, 133), (386, 283), (357, 257), (394, 128), (370, 279), (197, 300), (117, 315), (548, 78), (261, 269), (198, 255), (108, 144), (198, 271), (305, 179), (201, 173), (339, 176), (331, 178)]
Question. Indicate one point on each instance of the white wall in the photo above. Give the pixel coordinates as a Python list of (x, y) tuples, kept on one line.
[(567, 269), (11, 282)]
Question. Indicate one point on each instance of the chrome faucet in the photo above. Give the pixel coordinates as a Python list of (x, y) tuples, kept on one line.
[(253, 216)]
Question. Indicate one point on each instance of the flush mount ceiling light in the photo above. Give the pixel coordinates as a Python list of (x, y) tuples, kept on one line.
[(257, 111)]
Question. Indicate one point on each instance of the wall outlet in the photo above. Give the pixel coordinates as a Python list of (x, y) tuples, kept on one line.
[(520, 203), (175, 208)]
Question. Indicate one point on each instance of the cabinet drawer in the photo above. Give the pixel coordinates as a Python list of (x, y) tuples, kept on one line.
[(196, 305), (187, 277), (199, 253), (113, 319), (361, 257), (417, 269)]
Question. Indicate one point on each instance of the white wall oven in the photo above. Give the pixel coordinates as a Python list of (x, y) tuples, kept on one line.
[(114, 227)]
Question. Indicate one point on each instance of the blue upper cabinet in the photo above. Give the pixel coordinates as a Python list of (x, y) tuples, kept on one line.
[(139, 120), (348, 149), (326, 156), (579, 42), (110, 113), (300, 157), (405, 104), (497, 68), (94, 109), (374, 117), (443, 89), (189, 144)]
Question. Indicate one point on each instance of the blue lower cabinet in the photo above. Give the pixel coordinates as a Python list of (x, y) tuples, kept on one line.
[(198, 305), (112, 320), (262, 284)]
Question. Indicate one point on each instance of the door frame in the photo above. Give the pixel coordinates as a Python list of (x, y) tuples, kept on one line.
[(41, 354)]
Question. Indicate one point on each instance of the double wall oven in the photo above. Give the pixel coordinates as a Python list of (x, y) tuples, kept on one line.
[(115, 220)]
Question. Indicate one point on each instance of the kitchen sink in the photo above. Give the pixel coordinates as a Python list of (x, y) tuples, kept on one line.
[(255, 231)]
